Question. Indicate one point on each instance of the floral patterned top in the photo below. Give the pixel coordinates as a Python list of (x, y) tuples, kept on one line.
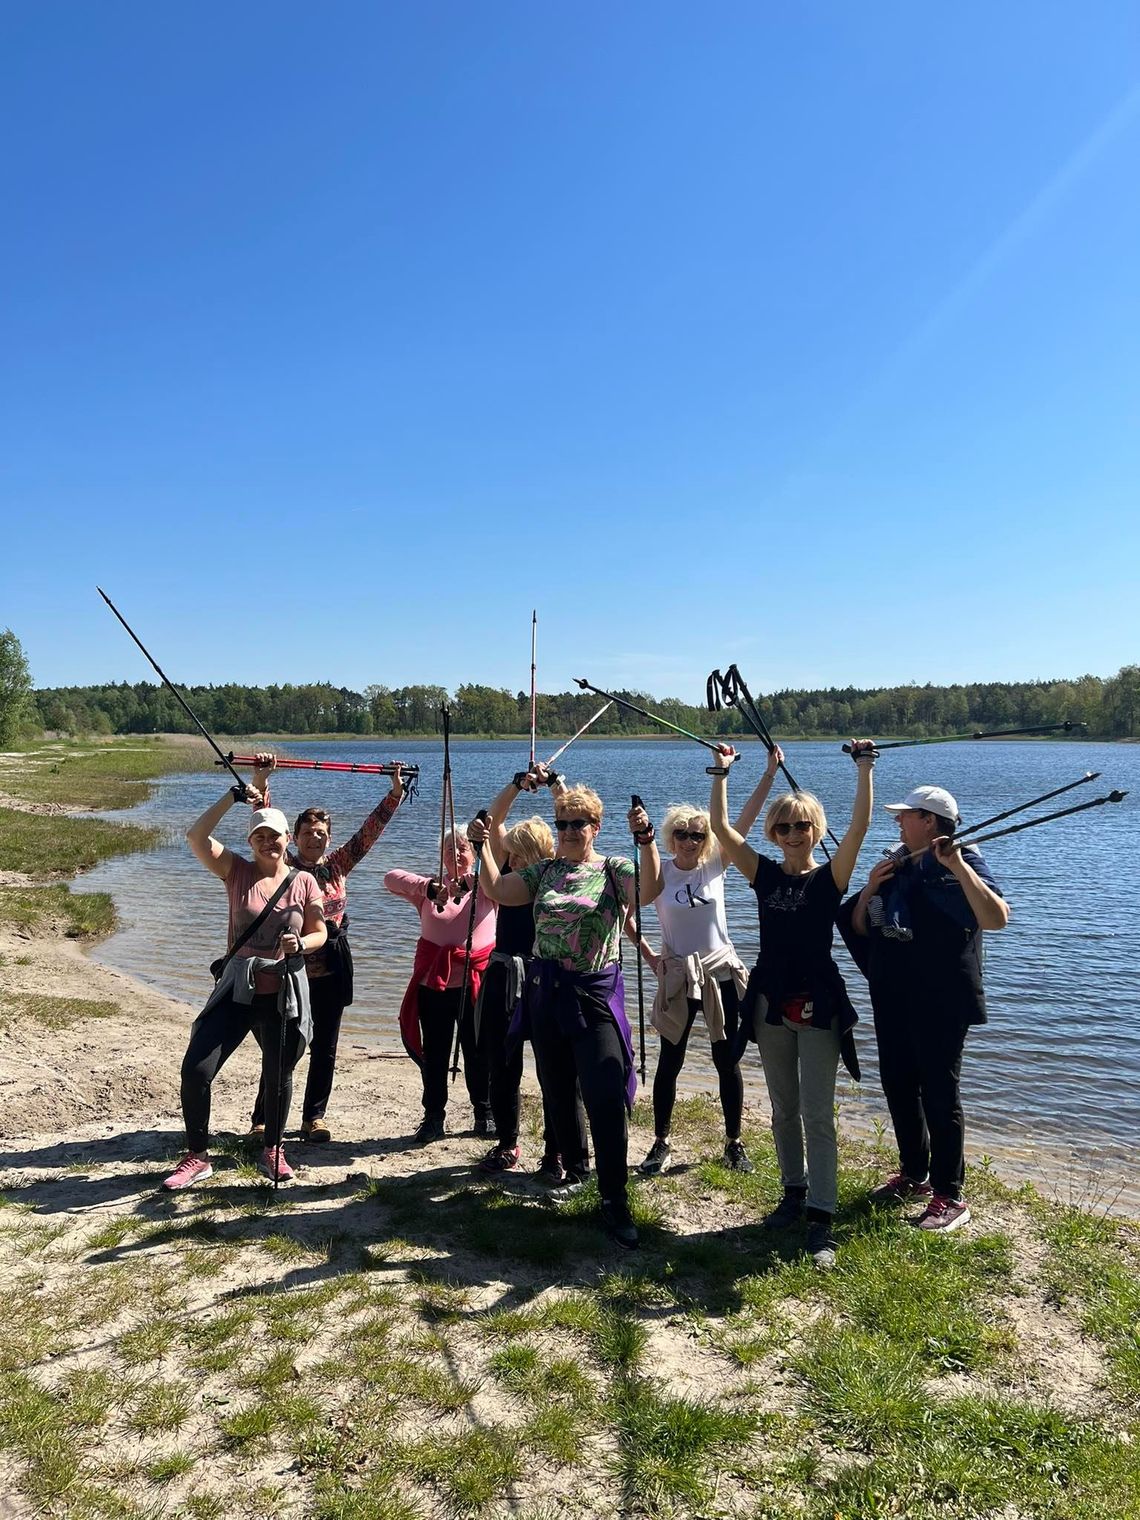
[(577, 919)]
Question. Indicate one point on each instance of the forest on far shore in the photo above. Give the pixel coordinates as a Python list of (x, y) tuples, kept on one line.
[(1108, 705)]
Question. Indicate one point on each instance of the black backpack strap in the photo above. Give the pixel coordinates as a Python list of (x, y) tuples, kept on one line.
[(247, 934)]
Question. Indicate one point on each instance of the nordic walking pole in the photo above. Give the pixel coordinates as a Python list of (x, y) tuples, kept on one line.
[(635, 801), (533, 688), (645, 713), (279, 1127), (1021, 806), (731, 687), (445, 788), (558, 753), (175, 693), (483, 817), (1018, 828), (1067, 727), (324, 765)]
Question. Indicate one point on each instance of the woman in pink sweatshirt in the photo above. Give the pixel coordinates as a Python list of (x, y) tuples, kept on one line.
[(430, 1008)]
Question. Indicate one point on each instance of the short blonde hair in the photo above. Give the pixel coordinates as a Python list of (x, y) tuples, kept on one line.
[(581, 799), (531, 840), (792, 807), (677, 815)]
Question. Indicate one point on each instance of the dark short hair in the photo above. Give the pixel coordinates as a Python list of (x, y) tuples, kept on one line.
[(946, 826), (312, 815)]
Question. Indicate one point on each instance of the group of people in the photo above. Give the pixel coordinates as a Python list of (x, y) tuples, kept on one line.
[(520, 938)]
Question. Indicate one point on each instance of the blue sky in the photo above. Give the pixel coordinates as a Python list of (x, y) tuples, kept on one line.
[(336, 338)]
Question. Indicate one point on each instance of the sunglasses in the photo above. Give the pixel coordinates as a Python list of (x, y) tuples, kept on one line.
[(576, 825), (690, 834), (801, 826)]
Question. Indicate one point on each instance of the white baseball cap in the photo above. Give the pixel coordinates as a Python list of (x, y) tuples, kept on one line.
[(930, 799), (268, 818)]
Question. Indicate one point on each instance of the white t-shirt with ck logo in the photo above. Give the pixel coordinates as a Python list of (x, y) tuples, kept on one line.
[(690, 909)]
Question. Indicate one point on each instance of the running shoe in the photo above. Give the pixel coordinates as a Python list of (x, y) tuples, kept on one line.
[(274, 1165), (551, 1171), (618, 1223), (944, 1213), (899, 1188), (658, 1159), (429, 1130), (482, 1128), (821, 1244), (736, 1157), (189, 1170), (788, 1211), (500, 1158), (316, 1132), (256, 1135)]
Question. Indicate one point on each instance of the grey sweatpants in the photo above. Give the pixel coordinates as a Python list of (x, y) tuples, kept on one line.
[(799, 1067)]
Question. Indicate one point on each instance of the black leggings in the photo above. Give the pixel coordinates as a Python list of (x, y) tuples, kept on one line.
[(213, 1040), (590, 1063), (505, 1069), (326, 1001), (672, 1057), (920, 1063), (438, 1012)]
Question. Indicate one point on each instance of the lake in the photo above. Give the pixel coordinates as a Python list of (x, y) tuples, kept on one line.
[(1051, 1084)]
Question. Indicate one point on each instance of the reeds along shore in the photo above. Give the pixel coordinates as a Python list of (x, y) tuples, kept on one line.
[(395, 1338)]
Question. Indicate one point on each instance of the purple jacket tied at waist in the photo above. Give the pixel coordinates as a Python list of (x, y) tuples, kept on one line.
[(551, 992)]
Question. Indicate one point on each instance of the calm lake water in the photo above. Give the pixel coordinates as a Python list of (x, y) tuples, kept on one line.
[(1052, 1083)]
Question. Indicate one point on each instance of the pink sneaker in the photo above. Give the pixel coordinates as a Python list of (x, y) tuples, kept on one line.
[(944, 1213), (274, 1165), (899, 1188), (189, 1170)]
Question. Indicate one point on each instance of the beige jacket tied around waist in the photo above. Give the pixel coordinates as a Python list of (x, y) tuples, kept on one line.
[(681, 977)]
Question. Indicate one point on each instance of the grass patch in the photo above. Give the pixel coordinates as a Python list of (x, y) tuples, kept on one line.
[(667, 1447), (77, 915), (38, 843), (53, 1012), (1093, 1262), (469, 1470), (105, 776)]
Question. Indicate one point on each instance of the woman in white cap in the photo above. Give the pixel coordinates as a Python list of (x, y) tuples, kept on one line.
[(276, 918), (919, 917)]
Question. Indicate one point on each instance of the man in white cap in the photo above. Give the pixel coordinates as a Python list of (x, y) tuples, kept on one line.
[(921, 914)]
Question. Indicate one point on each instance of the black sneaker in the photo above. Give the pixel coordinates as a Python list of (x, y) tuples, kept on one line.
[(431, 1129), (736, 1157), (788, 1211), (658, 1159), (551, 1171), (483, 1129), (571, 1185), (821, 1243), (617, 1222)]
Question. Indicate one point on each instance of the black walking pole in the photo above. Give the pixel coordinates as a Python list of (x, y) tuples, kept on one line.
[(482, 816), (1067, 727), (732, 689), (279, 1127), (444, 798), (635, 801), (645, 713), (987, 823), (177, 695), (1081, 807)]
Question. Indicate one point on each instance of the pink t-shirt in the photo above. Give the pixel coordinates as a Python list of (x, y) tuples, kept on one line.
[(248, 893), (450, 926)]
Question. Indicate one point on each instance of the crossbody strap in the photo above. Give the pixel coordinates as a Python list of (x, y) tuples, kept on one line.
[(252, 929)]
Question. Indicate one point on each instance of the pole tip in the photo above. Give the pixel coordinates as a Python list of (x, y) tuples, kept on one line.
[(580, 681)]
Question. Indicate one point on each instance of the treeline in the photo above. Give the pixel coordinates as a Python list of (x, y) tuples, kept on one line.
[(1110, 706)]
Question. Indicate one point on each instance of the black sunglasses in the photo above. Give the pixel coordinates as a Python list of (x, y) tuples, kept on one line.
[(575, 824), (689, 834), (801, 825)]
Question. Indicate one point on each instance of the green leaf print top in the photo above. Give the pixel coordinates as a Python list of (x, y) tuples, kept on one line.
[(577, 919)]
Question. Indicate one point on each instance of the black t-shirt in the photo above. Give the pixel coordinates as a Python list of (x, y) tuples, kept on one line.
[(514, 931), (797, 914)]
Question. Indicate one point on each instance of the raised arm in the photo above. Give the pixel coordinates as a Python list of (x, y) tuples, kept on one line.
[(213, 854), (733, 845), (649, 861), (843, 865), (510, 890), (353, 850), (755, 804)]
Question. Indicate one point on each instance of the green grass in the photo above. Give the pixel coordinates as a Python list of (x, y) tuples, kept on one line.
[(39, 910), (668, 1446), (1094, 1263), (52, 1012), (103, 776), (43, 844)]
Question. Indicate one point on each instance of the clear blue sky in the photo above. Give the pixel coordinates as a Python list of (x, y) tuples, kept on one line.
[(337, 337)]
